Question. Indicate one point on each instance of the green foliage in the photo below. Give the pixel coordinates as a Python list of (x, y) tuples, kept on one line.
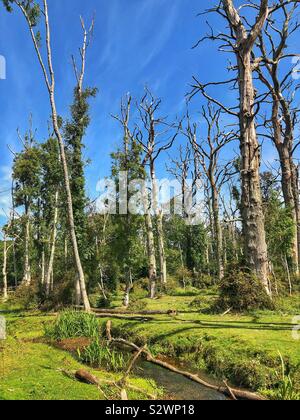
[(99, 355), (73, 324), (74, 132), (280, 228), (61, 296), (26, 173), (26, 297), (285, 389), (127, 250), (137, 305), (203, 304), (31, 7), (242, 291)]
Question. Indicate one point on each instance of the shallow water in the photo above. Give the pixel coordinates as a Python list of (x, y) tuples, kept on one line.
[(177, 386)]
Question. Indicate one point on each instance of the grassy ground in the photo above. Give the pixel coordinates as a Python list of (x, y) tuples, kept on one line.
[(242, 348), (32, 370)]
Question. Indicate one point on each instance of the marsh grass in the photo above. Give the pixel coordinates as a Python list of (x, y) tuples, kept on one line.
[(99, 355), (73, 324)]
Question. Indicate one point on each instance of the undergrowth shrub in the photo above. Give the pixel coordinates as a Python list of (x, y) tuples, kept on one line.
[(99, 355), (242, 291), (136, 305), (203, 281), (102, 303), (60, 297), (73, 324), (27, 297)]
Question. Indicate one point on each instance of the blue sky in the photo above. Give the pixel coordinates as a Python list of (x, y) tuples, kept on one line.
[(136, 42)]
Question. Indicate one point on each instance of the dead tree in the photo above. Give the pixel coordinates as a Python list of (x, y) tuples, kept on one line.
[(180, 170), (155, 137), (208, 151), (279, 127), (49, 77), (240, 40), (128, 137)]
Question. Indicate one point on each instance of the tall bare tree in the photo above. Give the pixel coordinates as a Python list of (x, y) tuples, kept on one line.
[(280, 125), (156, 140), (207, 152), (241, 40)]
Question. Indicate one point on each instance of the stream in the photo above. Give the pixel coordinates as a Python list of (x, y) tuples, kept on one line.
[(176, 386)]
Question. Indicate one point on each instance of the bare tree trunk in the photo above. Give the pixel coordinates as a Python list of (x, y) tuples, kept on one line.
[(4, 269), (252, 212), (283, 114), (295, 186), (101, 284), (182, 266), (217, 232), (129, 286), (256, 251), (162, 254), (15, 263), (159, 223), (287, 269), (52, 248), (77, 291), (66, 253), (27, 268), (151, 255), (287, 182), (50, 83), (43, 267)]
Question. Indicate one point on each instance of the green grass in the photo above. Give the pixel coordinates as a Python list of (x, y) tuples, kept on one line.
[(32, 370), (243, 348), (72, 324)]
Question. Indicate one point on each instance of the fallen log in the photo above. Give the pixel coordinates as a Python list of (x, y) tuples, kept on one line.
[(124, 316), (89, 379), (86, 377), (225, 390), (109, 312)]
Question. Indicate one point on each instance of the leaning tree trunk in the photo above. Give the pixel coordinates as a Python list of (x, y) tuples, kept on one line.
[(53, 246), (252, 211), (4, 269)]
